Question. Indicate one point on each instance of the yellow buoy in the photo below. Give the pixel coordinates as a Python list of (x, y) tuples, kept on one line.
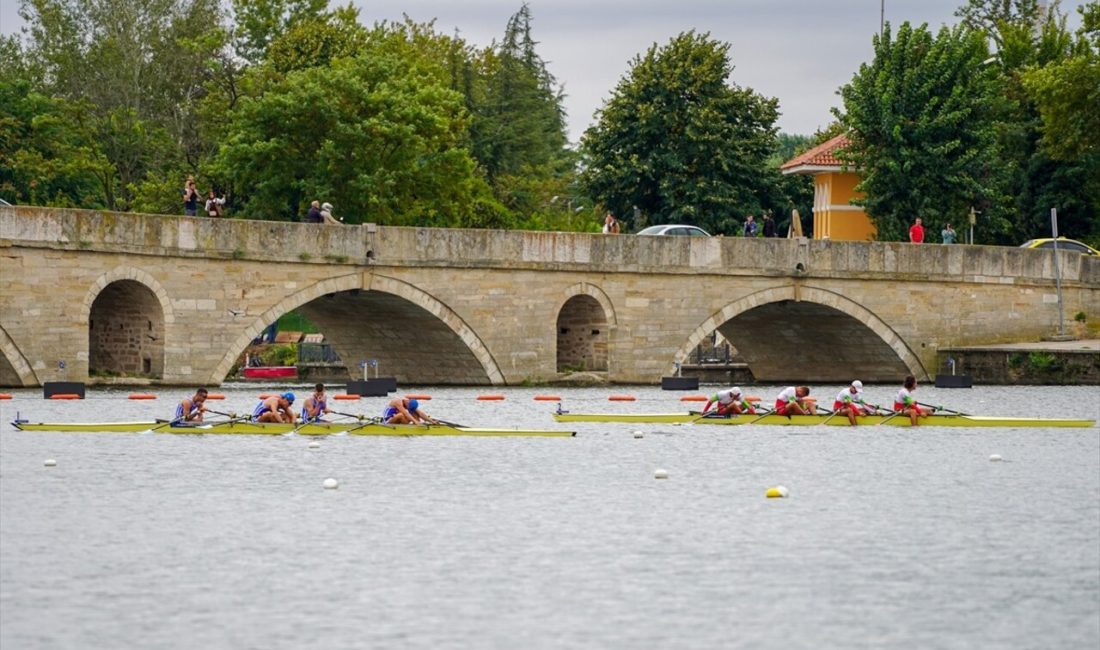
[(777, 492)]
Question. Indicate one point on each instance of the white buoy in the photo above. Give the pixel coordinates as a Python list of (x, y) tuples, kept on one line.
[(331, 484), (777, 492), (50, 462), (314, 444), (660, 473), (995, 458), (639, 434)]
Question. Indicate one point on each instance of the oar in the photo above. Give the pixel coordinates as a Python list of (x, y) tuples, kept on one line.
[(761, 417), (940, 408), (888, 418), (349, 415), (451, 424), (228, 415), (831, 416)]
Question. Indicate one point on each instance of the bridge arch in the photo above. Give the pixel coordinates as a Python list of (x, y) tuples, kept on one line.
[(355, 282), (585, 318), (815, 296), (17, 368), (114, 309)]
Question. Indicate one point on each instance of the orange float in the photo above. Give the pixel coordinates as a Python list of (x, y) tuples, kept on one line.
[(5, 395), (693, 398), (349, 396), (418, 396), (495, 397), (621, 398), (64, 396), (547, 398), (142, 396), (215, 396)]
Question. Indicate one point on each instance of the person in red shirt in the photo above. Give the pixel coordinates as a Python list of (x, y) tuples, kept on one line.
[(916, 233)]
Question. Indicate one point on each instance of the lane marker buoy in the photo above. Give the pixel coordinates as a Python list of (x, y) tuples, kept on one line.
[(314, 444), (490, 398), (50, 462), (422, 397), (349, 396), (215, 396), (639, 434), (65, 396), (621, 398), (995, 458), (547, 398), (777, 492), (145, 396), (331, 484), (660, 473)]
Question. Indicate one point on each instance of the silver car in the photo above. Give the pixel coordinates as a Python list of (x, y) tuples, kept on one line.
[(680, 230)]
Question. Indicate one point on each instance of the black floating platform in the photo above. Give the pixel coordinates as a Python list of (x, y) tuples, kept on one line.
[(51, 388), (679, 383), (954, 381), (377, 387)]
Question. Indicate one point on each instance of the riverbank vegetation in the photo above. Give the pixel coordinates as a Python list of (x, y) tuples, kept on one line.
[(112, 104)]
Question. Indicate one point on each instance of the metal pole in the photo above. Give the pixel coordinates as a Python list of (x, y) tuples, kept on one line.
[(1057, 272)]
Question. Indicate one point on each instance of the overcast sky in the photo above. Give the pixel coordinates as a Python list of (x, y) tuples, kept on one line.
[(799, 51)]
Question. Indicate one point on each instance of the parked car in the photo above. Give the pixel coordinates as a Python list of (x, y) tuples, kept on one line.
[(1063, 245), (675, 229)]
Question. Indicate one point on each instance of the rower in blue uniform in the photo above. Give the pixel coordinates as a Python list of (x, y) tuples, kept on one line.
[(316, 405), (275, 409), (406, 411), (191, 409)]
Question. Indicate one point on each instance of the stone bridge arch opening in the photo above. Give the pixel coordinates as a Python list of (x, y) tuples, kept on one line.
[(126, 331), (805, 334), (583, 335), (410, 334)]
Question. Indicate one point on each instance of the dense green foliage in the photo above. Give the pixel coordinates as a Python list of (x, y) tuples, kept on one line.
[(919, 120), (275, 103), (679, 142)]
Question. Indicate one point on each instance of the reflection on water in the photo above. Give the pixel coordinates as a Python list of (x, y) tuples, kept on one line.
[(891, 537)]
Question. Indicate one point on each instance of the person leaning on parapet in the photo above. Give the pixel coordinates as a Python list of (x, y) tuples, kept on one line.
[(314, 214), (948, 234), (190, 198), (916, 232), (610, 225), (749, 229), (326, 215), (769, 225), (214, 204)]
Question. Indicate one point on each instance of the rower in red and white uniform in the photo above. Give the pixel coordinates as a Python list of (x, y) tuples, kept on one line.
[(729, 402), (792, 401), (906, 404), (849, 402)]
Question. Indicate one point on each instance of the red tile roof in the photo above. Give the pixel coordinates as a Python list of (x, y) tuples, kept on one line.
[(820, 156)]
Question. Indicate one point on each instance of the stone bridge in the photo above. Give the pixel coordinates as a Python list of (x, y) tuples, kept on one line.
[(91, 296)]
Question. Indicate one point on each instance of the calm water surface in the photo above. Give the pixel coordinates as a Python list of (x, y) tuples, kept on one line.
[(892, 538)]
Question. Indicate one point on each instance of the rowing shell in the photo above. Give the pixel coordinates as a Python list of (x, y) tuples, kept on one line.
[(936, 420), (275, 428)]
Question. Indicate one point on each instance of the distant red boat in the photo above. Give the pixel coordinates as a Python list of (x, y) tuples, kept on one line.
[(271, 372)]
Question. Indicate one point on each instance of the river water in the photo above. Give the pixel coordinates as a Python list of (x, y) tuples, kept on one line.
[(891, 537)]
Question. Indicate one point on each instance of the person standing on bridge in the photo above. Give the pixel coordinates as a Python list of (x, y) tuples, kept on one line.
[(190, 198), (275, 408), (792, 401), (749, 229), (314, 213), (916, 232), (729, 402), (610, 225), (948, 234), (191, 409), (769, 225), (326, 214)]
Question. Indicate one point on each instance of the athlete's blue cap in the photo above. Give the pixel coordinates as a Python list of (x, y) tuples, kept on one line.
[(289, 397), (413, 405)]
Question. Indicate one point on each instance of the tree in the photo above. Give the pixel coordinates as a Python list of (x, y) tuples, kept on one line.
[(679, 142), (920, 121), (375, 135), (259, 22)]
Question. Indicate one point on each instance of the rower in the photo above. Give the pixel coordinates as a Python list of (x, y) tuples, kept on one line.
[(729, 402), (850, 402), (316, 405), (191, 409), (404, 410), (792, 401), (906, 404), (275, 409)]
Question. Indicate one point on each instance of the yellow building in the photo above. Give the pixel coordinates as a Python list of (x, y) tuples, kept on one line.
[(834, 189)]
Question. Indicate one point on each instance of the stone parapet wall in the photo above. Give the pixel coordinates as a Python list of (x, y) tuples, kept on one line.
[(369, 244)]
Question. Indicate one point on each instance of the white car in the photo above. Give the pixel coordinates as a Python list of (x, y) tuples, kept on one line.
[(675, 229)]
